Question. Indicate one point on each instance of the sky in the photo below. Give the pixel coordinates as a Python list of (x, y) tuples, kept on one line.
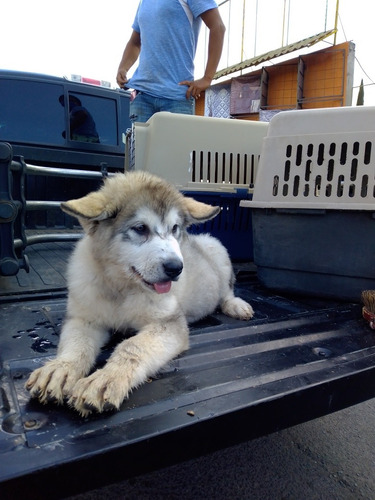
[(88, 37)]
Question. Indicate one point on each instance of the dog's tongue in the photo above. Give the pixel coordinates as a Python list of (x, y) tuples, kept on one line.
[(163, 287)]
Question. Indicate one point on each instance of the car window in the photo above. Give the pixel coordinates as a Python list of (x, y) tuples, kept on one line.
[(31, 112), (92, 119)]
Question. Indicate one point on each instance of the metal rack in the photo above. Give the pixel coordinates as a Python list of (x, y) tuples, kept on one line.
[(14, 206)]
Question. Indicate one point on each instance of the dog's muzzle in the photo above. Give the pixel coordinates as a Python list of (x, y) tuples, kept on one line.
[(172, 270)]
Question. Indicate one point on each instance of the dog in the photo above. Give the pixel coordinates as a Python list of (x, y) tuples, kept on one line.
[(137, 268)]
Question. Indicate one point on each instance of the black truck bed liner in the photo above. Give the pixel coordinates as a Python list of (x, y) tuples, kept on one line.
[(299, 358)]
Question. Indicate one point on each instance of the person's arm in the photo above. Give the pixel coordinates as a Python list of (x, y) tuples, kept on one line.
[(130, 55), (214, 23)]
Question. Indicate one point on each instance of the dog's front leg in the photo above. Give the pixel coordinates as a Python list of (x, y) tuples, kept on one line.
[(131, 364), (79, 345)]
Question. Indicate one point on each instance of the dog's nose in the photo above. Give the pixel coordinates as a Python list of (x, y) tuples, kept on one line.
[(173, 268)]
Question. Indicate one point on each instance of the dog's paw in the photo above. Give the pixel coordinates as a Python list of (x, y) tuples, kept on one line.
[(103, 390), (237, 308), (53, 382)]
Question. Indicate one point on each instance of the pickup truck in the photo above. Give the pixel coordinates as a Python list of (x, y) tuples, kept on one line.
[(302, 356)]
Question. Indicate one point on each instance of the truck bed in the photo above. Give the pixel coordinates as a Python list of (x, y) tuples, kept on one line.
[(298, 358)]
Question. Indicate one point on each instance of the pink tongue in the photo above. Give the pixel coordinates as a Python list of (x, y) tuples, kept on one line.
[(163, 287)]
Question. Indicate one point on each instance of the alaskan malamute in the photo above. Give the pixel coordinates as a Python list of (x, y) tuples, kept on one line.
[(138, 268)]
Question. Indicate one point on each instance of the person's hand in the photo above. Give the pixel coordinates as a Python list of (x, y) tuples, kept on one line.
[(121, 78), (195, 87)]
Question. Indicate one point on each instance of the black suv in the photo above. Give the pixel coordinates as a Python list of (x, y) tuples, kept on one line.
[(57, 122)]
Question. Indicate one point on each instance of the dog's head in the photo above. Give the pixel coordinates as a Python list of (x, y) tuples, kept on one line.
[(136, 222)]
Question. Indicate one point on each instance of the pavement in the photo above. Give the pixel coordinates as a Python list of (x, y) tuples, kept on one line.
[(331, 458)]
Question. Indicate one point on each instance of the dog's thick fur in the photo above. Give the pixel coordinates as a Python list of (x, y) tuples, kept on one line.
[(137, 268)]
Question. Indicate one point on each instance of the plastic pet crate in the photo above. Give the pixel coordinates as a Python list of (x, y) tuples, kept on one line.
[(197, 152), (232, 226), (314, 203)]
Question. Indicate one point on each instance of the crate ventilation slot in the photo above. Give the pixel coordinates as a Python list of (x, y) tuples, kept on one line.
[(223, 168), (326, 170)]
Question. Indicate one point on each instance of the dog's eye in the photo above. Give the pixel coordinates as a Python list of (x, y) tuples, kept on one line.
[(140, 229), (175, 229)]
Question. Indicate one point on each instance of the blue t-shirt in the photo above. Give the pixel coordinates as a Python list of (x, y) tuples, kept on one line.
[(169, 31)]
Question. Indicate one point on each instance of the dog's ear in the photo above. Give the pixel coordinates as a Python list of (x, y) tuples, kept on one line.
[(198, 211), (93, 207)]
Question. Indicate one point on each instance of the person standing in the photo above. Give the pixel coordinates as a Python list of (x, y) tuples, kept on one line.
[(164, 39)]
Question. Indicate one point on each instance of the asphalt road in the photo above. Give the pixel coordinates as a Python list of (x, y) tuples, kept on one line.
[(331, 458)]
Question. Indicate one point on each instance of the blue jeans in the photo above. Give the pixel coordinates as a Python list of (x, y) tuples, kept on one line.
[(144, 106)]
